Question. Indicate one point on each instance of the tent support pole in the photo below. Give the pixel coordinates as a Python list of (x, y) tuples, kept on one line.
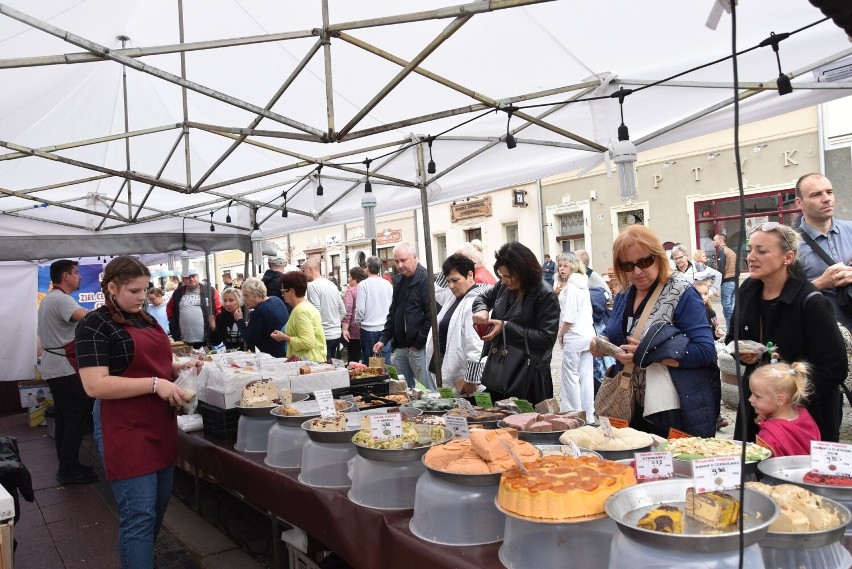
[(13, 193), (329, 86), (126, 130), (256, 121), (430, 266), (445, 34), (54, 186), (159, 173), (186, 146)]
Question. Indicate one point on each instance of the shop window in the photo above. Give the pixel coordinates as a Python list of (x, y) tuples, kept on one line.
[(471, 234), (511, 232), (440, 252), (630, 217), (386, 255)]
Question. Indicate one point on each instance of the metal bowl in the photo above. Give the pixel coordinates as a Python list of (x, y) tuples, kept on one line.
[(310, 409), (792, 469), (538, 437), (332, 437), (684, 467), (399, 455), (628, 505), (811, 539), (439, 412), (459, 479), (619, 454), (265, 411), (565, 450)]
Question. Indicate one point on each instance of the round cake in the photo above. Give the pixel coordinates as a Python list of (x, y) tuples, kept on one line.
[(562, 487)]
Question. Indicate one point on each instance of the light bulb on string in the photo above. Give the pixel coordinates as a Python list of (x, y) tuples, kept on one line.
[(368, 187), (624, 154), (783, 81), (510, 139), (284, 212), (430, 168), (319, 180)]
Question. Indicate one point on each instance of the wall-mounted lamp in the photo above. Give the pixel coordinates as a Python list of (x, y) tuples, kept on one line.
[(712, 155), (669, 164), (759, 148)]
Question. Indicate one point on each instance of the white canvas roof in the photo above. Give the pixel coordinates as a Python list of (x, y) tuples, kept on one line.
[(295, 92)]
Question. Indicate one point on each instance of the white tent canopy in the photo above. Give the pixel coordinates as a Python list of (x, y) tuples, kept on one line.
[(141, 118)]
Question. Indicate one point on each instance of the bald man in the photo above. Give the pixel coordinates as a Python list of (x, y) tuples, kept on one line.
[(327, 299)]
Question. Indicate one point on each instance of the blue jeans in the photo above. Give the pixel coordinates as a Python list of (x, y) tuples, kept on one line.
[(142, 503), (413, 365), (331, 347), (727, 294), (368, 340)]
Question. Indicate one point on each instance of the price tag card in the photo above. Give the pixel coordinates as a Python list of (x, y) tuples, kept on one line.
[(606, 427), (325, 400), (458, 425), (618, 423), (386, 426), (834, 459), (525, 406), (463, 404), (716, 473), (653, 465), (446, 392), (675, 434), (483, 399)]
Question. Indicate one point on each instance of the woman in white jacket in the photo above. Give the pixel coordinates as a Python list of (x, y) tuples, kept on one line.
[(460, 343), (575, 332)]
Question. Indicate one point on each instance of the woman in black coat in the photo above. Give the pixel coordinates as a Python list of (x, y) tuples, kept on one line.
[(525, 312), (778, 304)]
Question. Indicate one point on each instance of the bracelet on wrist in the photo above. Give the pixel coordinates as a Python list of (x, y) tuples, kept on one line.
[(153, 384)]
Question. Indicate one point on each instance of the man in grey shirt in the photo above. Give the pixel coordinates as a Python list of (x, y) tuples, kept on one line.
[(189, 310), (815, 196), (327, 299), (58, 315)]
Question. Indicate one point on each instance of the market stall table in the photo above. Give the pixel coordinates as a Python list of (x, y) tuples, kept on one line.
[(366, 538)]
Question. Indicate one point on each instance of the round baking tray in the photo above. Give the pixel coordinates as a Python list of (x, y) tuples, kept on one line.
[(811, 539), (310, 409), (792, 469), (264, 411), (627, 506), (399, 455), (332, 437), (568, 521), (618, 454), (538, 437)]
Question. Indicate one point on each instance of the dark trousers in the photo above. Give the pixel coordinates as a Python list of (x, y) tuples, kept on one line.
[(331, 348), (72, 410), (353, 348)]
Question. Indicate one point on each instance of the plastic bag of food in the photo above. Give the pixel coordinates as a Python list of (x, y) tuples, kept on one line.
[(747, 347), (188, 381)]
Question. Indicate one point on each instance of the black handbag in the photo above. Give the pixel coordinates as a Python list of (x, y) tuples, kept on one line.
[(509, 370)]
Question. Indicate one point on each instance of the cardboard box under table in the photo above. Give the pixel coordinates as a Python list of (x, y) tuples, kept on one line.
[(7, 528)]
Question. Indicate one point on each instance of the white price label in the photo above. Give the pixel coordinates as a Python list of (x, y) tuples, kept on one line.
[(458, 425), (653, 465), (325, 400), (834, 459), (606, 427), (387, 426), (716, 473), (463, 404)]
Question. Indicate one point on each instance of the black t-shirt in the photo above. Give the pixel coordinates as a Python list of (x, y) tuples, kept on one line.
[(444, 325), (100, 342)]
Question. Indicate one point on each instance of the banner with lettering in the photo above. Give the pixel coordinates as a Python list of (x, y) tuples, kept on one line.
[(89, 296)]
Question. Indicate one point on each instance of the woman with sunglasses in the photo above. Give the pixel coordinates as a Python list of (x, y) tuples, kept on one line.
[(675, 334), (778, 304), (304, 333), (521, 328)]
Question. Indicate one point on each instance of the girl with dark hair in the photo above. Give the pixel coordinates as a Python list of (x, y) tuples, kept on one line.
[(524, 316), (126, 363)]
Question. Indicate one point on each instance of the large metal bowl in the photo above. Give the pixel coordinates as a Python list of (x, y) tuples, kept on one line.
[(459, 479), (330, 437), (684, 467), (628, 505), (565, 450), (310, 409), (265, 411), (792, 469), (538, 437), (399, 455), (811, 539)]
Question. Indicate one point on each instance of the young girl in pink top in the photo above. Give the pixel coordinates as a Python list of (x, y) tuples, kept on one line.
[(777, 393)]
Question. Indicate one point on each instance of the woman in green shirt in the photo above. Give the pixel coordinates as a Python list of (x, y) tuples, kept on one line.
[(303, 332)]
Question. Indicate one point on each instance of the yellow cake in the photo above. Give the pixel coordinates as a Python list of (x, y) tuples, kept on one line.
[(664, 518), (715, 509), (562, 487), (482, 453)]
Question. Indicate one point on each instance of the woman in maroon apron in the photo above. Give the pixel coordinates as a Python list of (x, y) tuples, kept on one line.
[(126, 363)]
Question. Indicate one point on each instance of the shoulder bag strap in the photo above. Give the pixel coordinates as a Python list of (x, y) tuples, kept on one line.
[(640, 326), (815, 247)]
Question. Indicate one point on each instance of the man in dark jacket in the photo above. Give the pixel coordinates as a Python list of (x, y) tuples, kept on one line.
[(272, 277), (189, 310), (409, 318)]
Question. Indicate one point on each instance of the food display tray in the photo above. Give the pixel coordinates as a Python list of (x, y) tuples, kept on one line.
[(792, 470), (297, 420), (684, 467), (565, 450), (400, 455), (619, 454), (627, 506), (368, 379), (490, 479), (811, 539), (329, 437), (265, 411), (564, 521), (538, 437)]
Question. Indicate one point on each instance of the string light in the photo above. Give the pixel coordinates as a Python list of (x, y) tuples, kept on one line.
[(368, 187), (319, 180), (783, 82), (212, 227), (624, 153), (430, 168), (284, 211), (228, 216), (510, 140)]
